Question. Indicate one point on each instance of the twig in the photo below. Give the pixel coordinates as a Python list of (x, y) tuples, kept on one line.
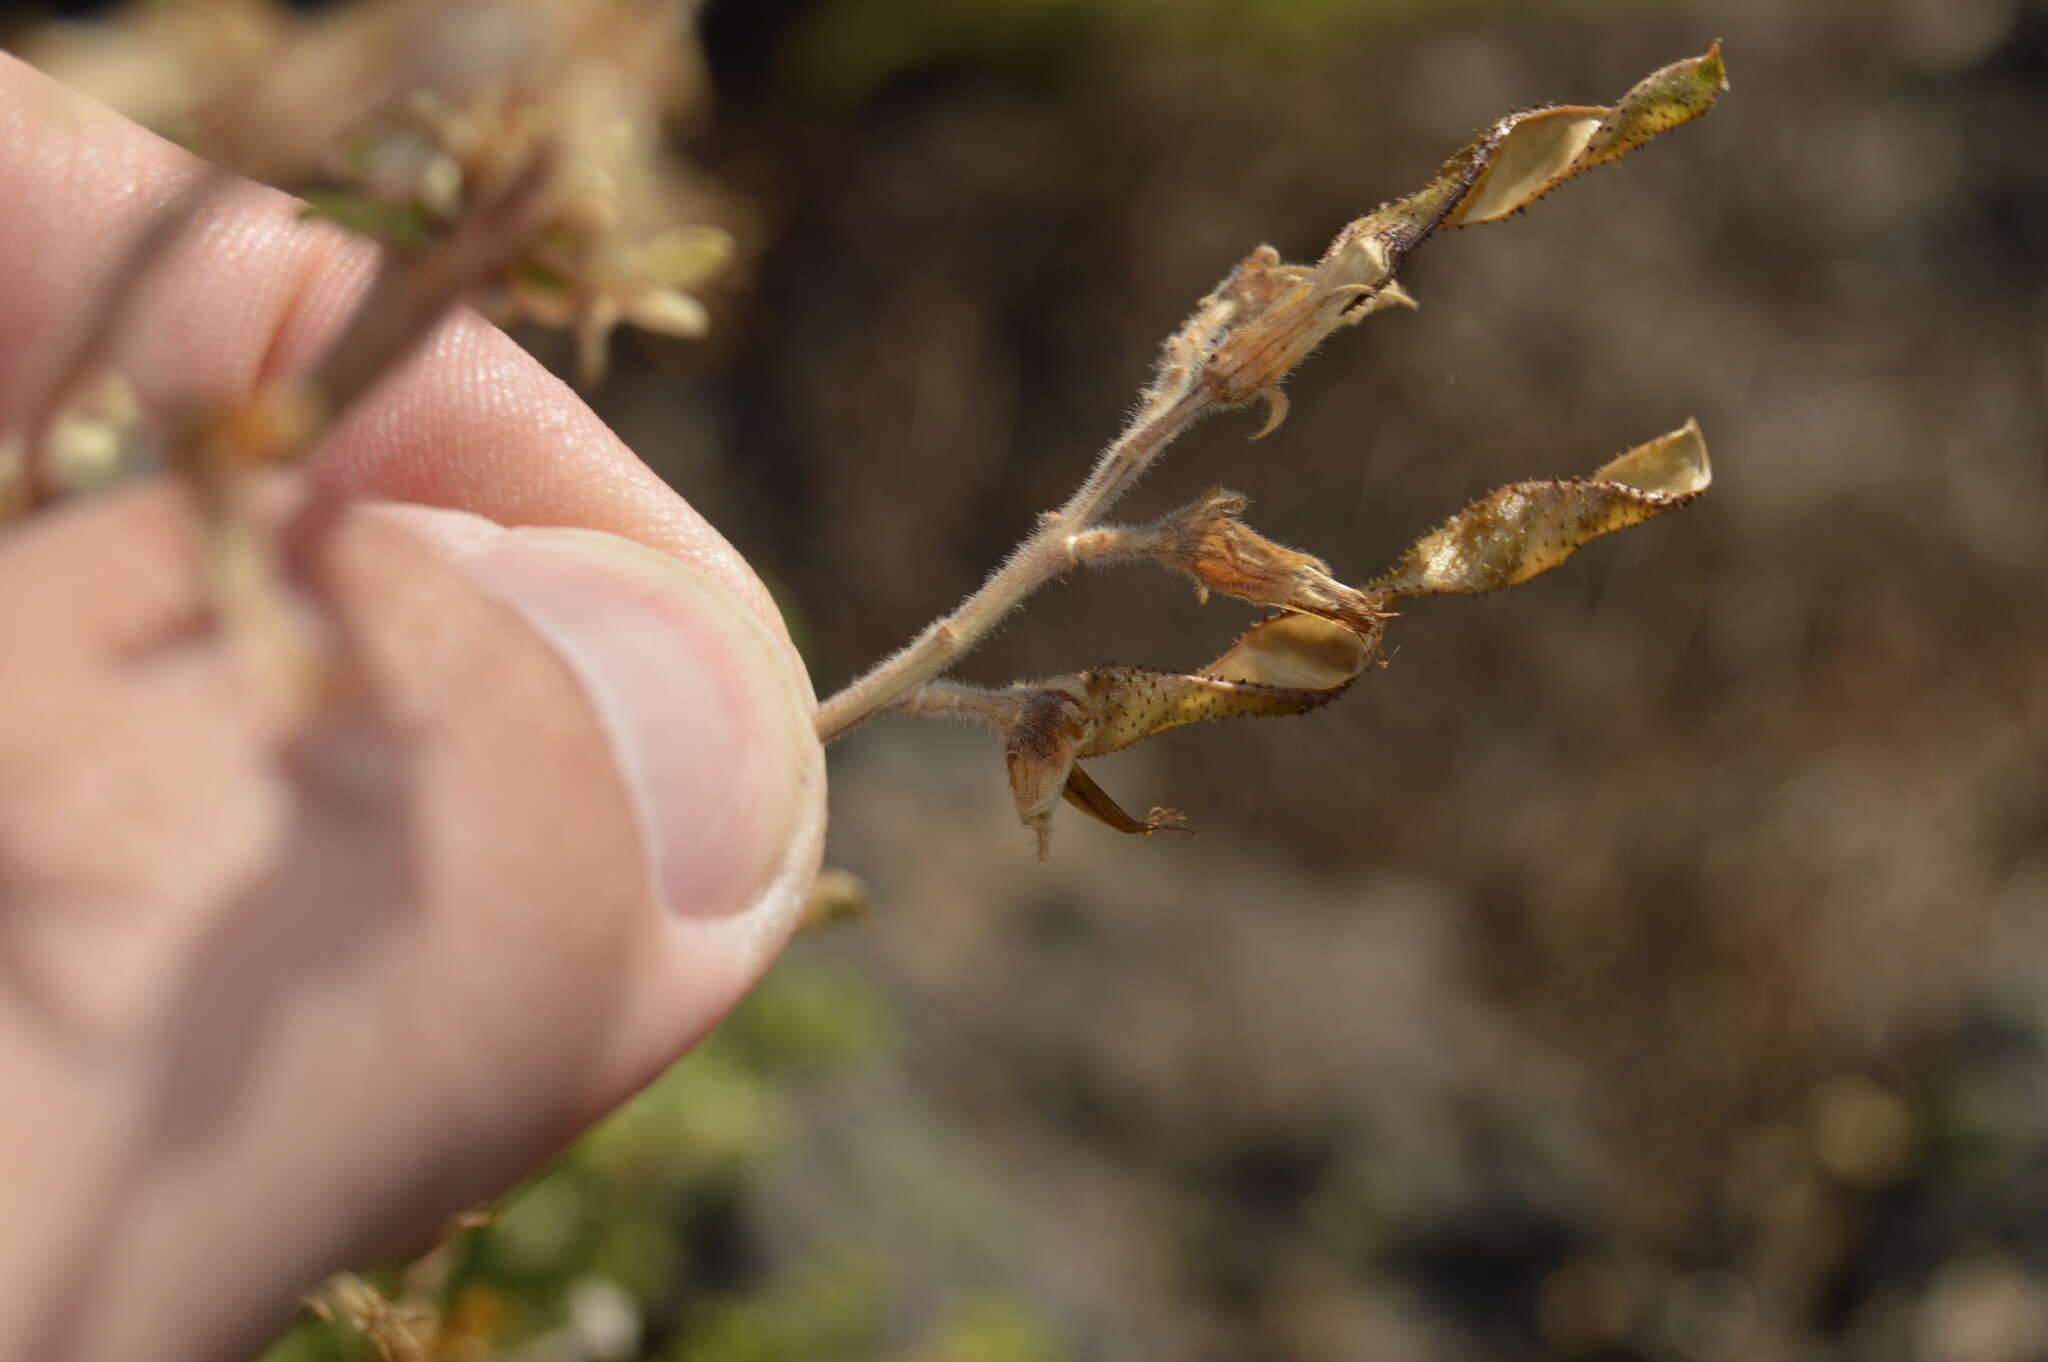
[(110, 318), (413, 293), (1044, 555)]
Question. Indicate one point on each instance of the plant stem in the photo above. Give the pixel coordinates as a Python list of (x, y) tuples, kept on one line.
[(111, 315), (995, 710), (1043, 555)]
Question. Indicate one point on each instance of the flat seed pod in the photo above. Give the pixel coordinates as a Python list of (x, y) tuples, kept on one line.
[(1267, 317), (1297, 652), (1540, 151), (1524, 528), (1674, 463), (1049, 725), (1543, 149), (1129, 704)]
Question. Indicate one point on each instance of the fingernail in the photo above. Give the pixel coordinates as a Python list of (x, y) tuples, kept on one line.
[(709, 719)]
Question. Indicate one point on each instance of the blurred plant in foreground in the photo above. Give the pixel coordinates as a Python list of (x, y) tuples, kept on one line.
[(506, 153), (396, 118), (621, 1249)]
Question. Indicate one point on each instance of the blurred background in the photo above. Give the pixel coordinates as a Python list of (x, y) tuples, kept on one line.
[(1650, 963)]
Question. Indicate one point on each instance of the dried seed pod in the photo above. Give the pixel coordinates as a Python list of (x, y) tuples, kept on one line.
[(1266, 316), (1053, 724), (1305, 657), (1517, 531)]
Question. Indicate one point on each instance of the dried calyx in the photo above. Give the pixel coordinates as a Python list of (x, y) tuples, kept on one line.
[(1241, 343)]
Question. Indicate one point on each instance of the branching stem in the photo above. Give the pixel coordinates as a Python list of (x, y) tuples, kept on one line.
[(940, 699), (1044, 555), (1248, 335)]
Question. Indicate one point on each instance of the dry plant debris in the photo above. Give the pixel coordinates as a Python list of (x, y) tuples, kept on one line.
[(509, 154), (398, 119), (1242, 342)]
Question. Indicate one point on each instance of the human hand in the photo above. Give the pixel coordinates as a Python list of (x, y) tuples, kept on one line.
[(279, 991)]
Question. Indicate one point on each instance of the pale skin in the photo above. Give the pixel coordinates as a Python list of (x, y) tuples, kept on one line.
[(281, 990)]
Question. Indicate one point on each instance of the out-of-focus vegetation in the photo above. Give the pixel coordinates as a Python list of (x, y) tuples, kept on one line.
[(843, 52), (640, 1242), (1649, 964)]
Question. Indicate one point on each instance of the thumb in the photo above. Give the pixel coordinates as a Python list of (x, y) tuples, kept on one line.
[(706, 712), (297, 989), (706, 715)]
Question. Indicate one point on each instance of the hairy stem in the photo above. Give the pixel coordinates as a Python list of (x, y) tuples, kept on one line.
[(1044, 555), (941, 699)]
